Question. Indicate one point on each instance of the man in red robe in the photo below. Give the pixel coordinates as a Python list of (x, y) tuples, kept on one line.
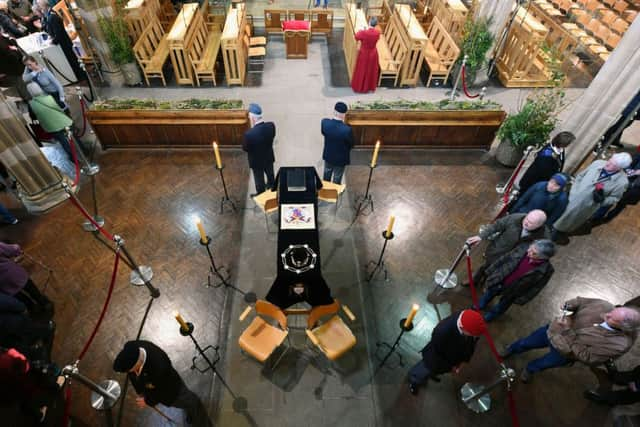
[(365, 74)]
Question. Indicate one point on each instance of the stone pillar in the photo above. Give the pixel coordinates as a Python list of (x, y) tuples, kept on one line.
[(602, 102), (498, 11), (39, 184)]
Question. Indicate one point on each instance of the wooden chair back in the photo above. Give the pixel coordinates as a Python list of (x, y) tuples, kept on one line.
[(271, 205), (273, 19), (443, 43), (148, 43), (328, 195), (265, 308), (299, 15), (321, 311)]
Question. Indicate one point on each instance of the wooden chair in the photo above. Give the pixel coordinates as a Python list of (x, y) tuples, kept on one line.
[(602, 33), (254, 41), (322, 21), (612, 41), (268, 202), (273, 19), (607, 17), (620, 6), (391, 53), (329, 195), (440, 52), (630, 15), (620, 26), (255, 56), (151, 51), (260, 339), (333, 337)]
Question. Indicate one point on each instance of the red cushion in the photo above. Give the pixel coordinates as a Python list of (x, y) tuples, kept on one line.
[(296, 25)]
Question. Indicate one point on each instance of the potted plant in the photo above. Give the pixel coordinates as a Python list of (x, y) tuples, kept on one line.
[(116, 36), (530, 126), (476, 42)]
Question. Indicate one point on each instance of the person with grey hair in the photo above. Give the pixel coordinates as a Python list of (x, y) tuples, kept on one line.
[(34, 72), (258, 143), (602, 183), (367, 70), (517, 276), (591, 331)]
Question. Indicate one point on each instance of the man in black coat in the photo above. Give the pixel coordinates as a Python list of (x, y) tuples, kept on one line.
[(625, 396), (549, 160), (453, 341), (150, 371), (258, 143), (518, 276), (338, 141)]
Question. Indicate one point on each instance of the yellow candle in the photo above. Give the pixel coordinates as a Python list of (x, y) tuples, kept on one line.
[(412, 314), (203, 235), (390, 226), (183, 324), (374, 159), (216, 151)]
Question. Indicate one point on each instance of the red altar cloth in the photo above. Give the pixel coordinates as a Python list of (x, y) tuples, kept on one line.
[(365, 74), (296, 25)]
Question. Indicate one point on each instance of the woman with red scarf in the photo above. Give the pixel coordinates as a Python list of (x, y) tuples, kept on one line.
[(365, 73)]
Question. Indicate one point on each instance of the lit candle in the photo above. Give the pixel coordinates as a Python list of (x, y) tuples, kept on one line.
[(412, 314), (217, 153), (203, 235), (390, 226), (183, 324), (374, 159)]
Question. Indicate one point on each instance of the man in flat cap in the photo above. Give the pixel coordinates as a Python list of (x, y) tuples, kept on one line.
[(258, 143), (338, 141), (156, 381)]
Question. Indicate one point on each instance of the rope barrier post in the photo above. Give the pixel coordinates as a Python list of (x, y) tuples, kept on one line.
[(476, 396), (503, 188), (445, 278), (141, 274), (483, 92), (103, 396), (88, 168), (89, 79), (454, 89)]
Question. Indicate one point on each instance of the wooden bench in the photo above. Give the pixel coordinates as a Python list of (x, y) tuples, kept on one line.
[(383, 13), (203, 51), (321, 21), (167, 14), (391, 53), (152, 51), (299, 15), (440, 52), (273, 19)]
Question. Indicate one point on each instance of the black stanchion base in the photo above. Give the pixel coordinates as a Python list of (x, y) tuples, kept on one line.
[(364, 205), (385, 351), (224, 201), (213, 359), (217, 278), (372, 272)]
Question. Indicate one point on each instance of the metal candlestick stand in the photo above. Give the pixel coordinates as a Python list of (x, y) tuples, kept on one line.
[(392, 348), (476, 396), (366, 200), (103, 396), (249, 297), (141, 274), (445, 278), (225, 199), (239, 403), (380, 264)]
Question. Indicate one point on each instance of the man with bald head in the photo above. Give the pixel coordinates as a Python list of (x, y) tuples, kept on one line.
[(590, 331), (507, 233)]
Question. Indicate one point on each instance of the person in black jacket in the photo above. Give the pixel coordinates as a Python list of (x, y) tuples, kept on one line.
[(258, 143), (626, 396), (150, 371), (338, 141), (517, 276), (549, 160), (7, 24), (453, 341)]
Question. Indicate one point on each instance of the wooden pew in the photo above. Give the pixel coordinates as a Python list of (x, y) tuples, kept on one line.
[(321, 21), (383, 13), (152, 51), (440, 52), (273, 19), (391, 53), (234, 49), (203, 49)]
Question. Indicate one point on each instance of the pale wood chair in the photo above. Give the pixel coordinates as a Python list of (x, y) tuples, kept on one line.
[(331, 192), (260, 339), (333, 337), (268, 202), (255, 40), (255, 56)]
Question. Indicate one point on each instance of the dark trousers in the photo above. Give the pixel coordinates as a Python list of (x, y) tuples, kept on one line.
[(620, 397), (498, 309), (630, 197), (31, 296), (419, 374), (333, 170), (539, 339), (62, 139), (192, 405), (258, 177)]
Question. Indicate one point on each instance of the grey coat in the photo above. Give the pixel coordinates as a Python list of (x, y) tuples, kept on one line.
[(505, 234), (581, 204)]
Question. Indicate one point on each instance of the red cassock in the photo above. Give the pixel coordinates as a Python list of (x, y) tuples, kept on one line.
[(365, 74)]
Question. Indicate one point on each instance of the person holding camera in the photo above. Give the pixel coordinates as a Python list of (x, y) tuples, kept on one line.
[(602, 183)]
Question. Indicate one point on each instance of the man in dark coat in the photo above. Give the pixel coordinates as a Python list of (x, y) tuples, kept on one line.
[(549, 160), (150, 371), (518, 276), (627, 111), (626, 396), (338, 141), (506, 233), (548, 196), (18, 330), (453, 341), (258, 143)]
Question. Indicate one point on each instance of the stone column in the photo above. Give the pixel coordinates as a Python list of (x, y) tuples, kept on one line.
[(39, 184), (602, 102), (498, 11)]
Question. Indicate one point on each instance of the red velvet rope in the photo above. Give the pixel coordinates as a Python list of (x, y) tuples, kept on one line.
[(84, 213), (464, 85), (83, 109), (507, 189), (104, 307), (474, 297), (67, 407), (75, 160)]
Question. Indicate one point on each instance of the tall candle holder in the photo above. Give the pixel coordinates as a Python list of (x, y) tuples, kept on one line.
[(377, 266), (365, 201), (225, 199), (222, 274), (393, 347)]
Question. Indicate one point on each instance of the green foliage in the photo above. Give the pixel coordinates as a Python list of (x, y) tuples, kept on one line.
[(553, 59), (152, 104), (535, 120), (444, 104), (116, 36), (476, 42)]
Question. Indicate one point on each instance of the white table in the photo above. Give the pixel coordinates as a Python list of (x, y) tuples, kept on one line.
[(33, 46)]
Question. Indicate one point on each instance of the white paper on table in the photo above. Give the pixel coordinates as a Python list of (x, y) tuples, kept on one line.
[(299, 216)]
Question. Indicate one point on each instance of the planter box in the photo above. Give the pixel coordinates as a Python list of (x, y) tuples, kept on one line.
[(168, 128), (426, 129)]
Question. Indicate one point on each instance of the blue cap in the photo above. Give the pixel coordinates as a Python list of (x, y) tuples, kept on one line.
[(340, 107), (560, 179), (255, 109), (373, 21)]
